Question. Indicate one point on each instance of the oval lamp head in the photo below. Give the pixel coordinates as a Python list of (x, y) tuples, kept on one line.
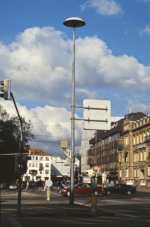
[(74, 22)]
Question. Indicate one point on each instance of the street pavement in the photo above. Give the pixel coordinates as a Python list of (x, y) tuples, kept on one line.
[(119, 210)]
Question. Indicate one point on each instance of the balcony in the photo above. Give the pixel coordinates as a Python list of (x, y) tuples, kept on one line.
[(147, 138)]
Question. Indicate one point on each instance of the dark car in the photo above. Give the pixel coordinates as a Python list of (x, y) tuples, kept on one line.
[(81, 189), (119, 189)]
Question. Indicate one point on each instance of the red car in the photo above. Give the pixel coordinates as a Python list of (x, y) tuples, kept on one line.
[(81, 189)]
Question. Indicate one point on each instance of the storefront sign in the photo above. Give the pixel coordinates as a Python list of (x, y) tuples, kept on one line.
[(143, 182), (86, 179), (130, 182)]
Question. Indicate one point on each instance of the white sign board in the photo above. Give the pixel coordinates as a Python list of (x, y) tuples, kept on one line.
[(96, 114), (48, 183)]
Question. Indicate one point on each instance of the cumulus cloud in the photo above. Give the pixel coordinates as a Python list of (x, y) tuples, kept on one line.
[(137, 105), (50, 124), (39, 64), (103, 7), (145, 31)]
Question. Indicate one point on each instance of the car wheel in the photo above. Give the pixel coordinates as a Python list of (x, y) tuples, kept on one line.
[(129, 192), (68, 193), (108, 193)]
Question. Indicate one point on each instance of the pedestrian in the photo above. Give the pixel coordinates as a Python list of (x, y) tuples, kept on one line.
[(27, 184), (45, 186), (40, 185)]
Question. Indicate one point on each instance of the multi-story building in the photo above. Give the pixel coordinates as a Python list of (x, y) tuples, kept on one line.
[(60, 168), (86, 136), (104, 149), (110, 146), (134, 158), (39, 167)]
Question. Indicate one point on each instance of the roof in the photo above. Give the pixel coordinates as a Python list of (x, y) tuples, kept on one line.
[(36, 151), (117, 126)]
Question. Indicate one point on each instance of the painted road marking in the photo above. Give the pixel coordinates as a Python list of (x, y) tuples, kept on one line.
[(14, 222)]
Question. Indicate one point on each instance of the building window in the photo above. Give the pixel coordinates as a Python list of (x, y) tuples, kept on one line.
[(41, 158), (137, 137), (126, 156), (36, 164), (29, 164), (33, 158), (134, 172), (46, 164), (126, 173), (135, 157), (36, 157), (40, 171), (134, 140), (47, 158), (141, 138), (120, 173), (46, 171), (141, 156), (32, 164), (144, 155), (137, 172)]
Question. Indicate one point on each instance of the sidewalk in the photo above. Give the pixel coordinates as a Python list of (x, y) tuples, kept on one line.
[(143, 189), (52, 208)]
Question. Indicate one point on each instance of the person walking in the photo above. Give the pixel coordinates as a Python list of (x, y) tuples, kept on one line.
[(27, 184), (40, 185)]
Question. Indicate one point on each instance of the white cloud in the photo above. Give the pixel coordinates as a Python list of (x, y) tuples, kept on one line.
[(103, 7), (49, 124), (145, 31), (137, 106), (39, 64)]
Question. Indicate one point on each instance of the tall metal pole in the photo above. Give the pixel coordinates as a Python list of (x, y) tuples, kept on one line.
[(72, 124), (73, 22), (20, 149)]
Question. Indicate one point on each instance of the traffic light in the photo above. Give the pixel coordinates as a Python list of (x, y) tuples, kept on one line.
[(25, 158), (28, 158), (5, 89)]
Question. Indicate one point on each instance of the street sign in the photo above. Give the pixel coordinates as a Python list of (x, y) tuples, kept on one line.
[(96, 114), (48, 183), (96, 168)]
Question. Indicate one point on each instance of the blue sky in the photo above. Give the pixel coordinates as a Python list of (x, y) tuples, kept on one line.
[(112, 60)]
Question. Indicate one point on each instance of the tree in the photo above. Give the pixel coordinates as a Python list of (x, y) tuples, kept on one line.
[(10, 128), (9, 143)]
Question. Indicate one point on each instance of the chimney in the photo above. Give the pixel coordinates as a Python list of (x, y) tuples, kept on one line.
[(130, 110)]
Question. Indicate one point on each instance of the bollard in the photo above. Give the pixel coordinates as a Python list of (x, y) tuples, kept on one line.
[(48, 193), (93, 203)]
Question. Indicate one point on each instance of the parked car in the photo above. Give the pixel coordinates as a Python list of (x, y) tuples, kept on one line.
[(81, 189), (13, 185), (119, 189)]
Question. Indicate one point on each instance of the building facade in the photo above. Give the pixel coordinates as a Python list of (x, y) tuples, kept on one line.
[(134, 158), (39, 167), (85, 137), (114, 150), (60, 168)]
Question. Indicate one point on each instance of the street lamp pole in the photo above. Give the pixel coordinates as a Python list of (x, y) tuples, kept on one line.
[(73, 22)]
